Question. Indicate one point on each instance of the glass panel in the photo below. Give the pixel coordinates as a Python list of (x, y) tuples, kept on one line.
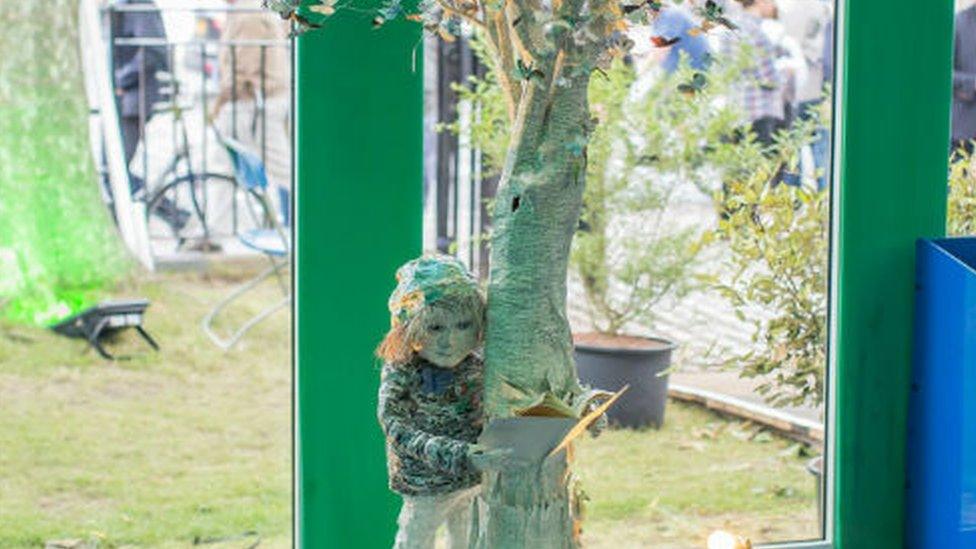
[(699, 269), (185, 439)]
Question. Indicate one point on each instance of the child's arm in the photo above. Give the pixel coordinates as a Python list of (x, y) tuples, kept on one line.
[(440, 452)]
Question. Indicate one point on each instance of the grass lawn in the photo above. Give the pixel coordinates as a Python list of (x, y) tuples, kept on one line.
[(194, 444), (699, 473), (190, 443)]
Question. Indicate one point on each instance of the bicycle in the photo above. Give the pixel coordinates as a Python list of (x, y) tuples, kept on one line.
[(197, 207)]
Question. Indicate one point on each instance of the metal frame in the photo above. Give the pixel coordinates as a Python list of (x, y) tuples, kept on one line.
[(828, 476), (455, 190)]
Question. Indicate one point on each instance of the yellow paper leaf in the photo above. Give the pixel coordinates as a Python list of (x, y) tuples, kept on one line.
[(586, 421)]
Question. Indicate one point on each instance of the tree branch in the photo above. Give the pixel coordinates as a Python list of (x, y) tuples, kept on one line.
[(456, 12), (519, 29), (501, 48)]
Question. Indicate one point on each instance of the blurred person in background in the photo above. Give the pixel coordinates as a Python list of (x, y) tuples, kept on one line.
[(760, 90), (137, 87), (806, 22), (790, 64), (964, 80), (135, 65), (828, 53), (253, 103), (811, 22), (674, 23)]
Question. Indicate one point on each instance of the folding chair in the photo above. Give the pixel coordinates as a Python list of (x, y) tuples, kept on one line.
[(268, 237)]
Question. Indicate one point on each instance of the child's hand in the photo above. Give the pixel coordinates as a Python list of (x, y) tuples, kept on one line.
[(484, 459)]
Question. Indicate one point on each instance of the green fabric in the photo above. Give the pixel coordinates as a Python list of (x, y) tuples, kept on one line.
[(359, 182), (58, 249)]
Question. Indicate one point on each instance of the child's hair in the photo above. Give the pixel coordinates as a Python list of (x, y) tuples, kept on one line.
[(429, 281)]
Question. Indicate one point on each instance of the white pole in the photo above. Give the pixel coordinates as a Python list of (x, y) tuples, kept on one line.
[(131, 216)]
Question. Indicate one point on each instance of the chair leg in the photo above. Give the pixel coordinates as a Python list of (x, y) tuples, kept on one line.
[(282, 283), (208, 320), (255, 320)]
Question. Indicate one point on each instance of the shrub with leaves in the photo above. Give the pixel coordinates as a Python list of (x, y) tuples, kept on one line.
[(651, 141), (961, 218), (648, 143), (779, 237)]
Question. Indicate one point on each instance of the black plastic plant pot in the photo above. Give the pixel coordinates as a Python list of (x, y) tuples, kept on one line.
[(610, 362)]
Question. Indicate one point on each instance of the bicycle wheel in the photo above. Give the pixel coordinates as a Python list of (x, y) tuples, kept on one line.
[(207, 207)]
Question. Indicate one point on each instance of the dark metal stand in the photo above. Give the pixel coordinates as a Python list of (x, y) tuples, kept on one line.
[(107, 318)]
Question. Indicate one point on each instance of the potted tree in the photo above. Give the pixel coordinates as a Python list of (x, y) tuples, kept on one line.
[(627, 256), (630, 253), (779, 241)]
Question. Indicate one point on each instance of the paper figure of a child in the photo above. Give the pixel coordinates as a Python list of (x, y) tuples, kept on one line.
[(430, 400)]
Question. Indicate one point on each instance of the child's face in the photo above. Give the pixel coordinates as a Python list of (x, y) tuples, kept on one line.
[(449, 336)]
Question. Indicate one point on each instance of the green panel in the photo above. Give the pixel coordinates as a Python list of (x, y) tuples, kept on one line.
[(359, 166), (895, 103)]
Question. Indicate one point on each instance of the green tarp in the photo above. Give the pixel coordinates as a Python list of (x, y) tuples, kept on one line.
[(58, 247)]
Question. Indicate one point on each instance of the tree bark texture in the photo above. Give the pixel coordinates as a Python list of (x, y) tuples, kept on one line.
[(528, 340)]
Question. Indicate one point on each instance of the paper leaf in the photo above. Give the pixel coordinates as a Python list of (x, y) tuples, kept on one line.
[(586, 421)]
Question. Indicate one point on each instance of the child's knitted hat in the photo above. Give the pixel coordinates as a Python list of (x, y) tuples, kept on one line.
[(426, 280)]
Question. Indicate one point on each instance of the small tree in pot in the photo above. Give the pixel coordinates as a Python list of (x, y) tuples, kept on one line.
[(631, 253), (655, 136)]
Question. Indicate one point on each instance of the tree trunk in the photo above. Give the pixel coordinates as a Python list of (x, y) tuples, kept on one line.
[(528, 340)]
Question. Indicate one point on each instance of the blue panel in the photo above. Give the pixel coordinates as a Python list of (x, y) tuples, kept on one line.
[(941, 487)]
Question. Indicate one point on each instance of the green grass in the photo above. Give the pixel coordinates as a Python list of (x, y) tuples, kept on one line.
[(153, 452), (699, 473)]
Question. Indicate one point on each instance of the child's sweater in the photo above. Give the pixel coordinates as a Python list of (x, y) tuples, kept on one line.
[(430, 416)]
